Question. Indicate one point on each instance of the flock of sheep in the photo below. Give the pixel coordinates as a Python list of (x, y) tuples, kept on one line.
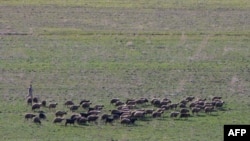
[(125, 112)]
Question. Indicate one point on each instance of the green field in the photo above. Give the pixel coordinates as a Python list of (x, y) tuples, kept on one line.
[(98, 50)]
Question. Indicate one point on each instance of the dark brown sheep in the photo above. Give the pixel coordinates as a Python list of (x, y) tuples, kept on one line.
[(141, 101), (29, 101), (105, 116), (182, 105), (219, 104), (92, 118), (94, 112), (44, 103), (216, 97), (195, 110), (125, 121), (190, 98), (156, 102), (52, 105), (70, 121), (84, 100), (184, 101), (138, 114), (81, 120), (157, 114), (149, 111), (58, 120), (35, 99), (37, 120), (98, 107), (86, 105), (131, 102), (174, 114), (173, 105), (36, 106), (184, 115), (184, 110), (119, 103), (69, 103), (114, 100), (208, 110), (42, 115), (60, 113), (29, 116), (74, 108)]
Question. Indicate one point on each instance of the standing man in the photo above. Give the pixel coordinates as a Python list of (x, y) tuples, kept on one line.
[(30, 92)]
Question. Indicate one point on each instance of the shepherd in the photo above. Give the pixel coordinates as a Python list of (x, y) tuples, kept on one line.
[(30, 92)]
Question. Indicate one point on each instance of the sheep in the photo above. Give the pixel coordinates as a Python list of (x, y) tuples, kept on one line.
[(195, 110), (84, 100), (125, 121), (94, 112), (132, 120), (83, 114), (105, 116), (29, 116), (156, 102), (44, 103), (182, 105), (52, 105), (74, 108), (138, 114), (36, 106), (60, 113), (184, 110), (98, 107), (86, 104), (92, 118), (174, 114), (184, 115), (58, 120), (219, 104), (75, 116), (193, 104), (190, 98), (29, 101), (118, 112), (173, 106), (141, 101), (81, 120), (216, 97), (149, 111), (42, 115), (131, 102), (35, 99), (156, 114), (114, 100), (119, 103), (184, 101), (125, 116), (208, 109), (69, 103), (37, 120), (109, 120), (70, 121)]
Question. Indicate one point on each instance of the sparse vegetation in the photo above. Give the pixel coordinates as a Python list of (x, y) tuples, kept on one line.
[(98, 50)]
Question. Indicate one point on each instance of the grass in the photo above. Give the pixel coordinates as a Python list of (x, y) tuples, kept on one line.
[(99, 50), (138, 4)]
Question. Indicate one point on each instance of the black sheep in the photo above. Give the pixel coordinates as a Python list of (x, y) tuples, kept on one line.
[(42, 115), (70, 121)]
